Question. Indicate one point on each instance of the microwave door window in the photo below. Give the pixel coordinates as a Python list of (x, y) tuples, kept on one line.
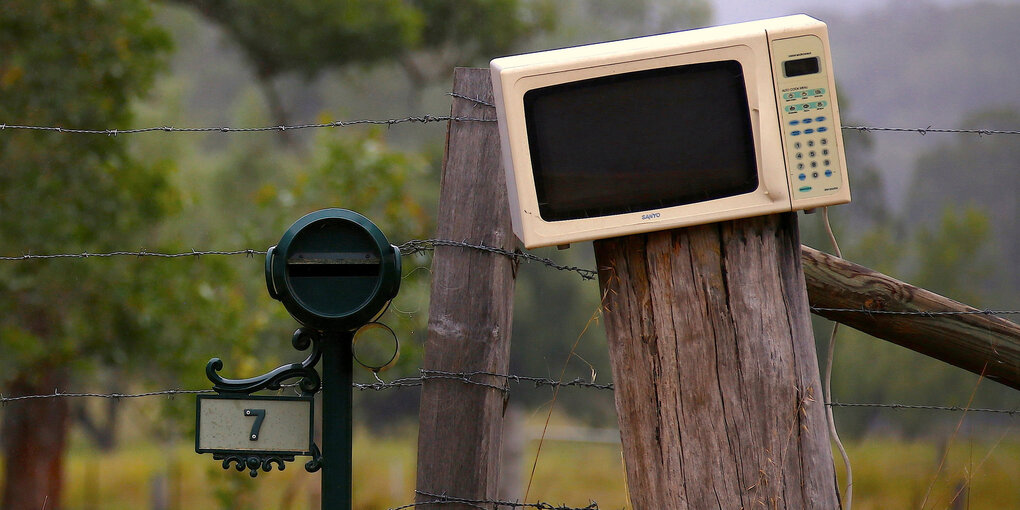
[(640, 141)]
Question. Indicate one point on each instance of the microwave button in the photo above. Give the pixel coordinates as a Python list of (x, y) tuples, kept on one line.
[(807, 120), (794, 122), (795, 133), (802, 177), (822, 129), (808, 131), (796, 145), (819, 119), (814, 175), (805, 189), (800, 155), (811, 143), (828, 173), (825, 141)]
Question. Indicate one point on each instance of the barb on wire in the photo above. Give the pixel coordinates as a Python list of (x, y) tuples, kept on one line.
[(929, 129), (444, 499), (1011, 412), (419, 119), (469, 98), (423, 245), (929, 313)]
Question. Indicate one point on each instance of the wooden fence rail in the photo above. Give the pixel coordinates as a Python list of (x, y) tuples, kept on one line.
[(978, 342)]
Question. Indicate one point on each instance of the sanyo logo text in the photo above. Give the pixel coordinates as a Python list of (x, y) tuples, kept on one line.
[(650, 216)]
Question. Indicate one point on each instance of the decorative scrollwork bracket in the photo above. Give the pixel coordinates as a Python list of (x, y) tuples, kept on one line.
[(310, 381), (254, 461)]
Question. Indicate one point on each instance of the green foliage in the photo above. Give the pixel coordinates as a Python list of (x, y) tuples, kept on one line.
[(481, 29), (308, 36), (81, 63), (978, 174)]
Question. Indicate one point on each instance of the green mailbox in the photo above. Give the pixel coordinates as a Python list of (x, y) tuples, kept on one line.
[(333, 270)]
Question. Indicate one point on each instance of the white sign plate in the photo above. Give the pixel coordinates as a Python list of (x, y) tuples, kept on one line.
[(254, 424)]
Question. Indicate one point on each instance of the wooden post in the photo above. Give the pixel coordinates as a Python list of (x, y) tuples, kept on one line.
[(717, 387), (980, 343), (471, 308)]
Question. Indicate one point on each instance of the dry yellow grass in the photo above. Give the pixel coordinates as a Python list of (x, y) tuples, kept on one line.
[(888, 473)]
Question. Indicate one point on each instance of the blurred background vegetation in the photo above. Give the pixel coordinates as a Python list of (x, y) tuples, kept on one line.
[(939, 211)]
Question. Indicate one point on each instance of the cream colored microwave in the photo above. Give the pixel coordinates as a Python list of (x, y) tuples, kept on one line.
[(671, 130)]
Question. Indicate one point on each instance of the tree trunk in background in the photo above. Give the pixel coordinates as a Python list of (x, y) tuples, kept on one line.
[(34, 439), (717, 387)]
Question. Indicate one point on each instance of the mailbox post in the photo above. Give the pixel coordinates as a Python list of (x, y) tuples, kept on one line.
[(335, 272)]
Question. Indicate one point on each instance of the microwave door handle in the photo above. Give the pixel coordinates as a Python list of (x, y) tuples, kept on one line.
[(756, 113)]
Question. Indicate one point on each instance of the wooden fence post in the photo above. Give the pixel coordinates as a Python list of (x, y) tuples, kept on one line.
[(717, 386), (460, 429)]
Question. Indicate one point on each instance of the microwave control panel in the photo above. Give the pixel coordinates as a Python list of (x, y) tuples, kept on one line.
[(811, 136)]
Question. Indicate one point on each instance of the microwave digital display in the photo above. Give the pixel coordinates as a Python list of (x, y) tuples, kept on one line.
[(801, 67), (640, 141)]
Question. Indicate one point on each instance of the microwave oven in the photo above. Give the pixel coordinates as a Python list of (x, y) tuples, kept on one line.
[(671, 130)]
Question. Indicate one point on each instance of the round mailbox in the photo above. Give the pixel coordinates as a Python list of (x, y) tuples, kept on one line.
[(333, 270)]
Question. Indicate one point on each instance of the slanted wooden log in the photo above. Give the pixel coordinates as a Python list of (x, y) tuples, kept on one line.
[(461, 425), (973, 341), (717, 386)]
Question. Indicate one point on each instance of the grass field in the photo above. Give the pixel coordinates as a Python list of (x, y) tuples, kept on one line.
[(888, 473)]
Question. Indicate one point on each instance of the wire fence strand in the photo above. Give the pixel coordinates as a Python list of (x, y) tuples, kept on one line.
[(417, 246), (477, 378), (414, 119), (423, 119), (496, 504)]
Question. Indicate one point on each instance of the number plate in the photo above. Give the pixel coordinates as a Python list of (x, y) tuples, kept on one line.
[(252, 424)]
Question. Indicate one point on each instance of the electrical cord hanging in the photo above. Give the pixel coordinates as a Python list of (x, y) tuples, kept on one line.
[(828, 379)]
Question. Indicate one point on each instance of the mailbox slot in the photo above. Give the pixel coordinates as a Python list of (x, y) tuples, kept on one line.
[(318, 265)]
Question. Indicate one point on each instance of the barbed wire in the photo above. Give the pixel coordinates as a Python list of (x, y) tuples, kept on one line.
[(471, 378), (929, 129), (419, 119), (416, 246), (423, 119), (142, 253), (411, 247), (58, 394), (422, 245), (444, 499), (1011, 412)]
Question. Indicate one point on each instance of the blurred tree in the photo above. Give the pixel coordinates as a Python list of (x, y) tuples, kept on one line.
[(74, 63), (979, 173), (308, 37)]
